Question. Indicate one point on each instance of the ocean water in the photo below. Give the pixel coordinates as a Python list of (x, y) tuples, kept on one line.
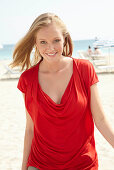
[(7, 50)]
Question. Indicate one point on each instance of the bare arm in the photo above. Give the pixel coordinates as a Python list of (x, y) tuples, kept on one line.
[(99, 116), (29, 131)]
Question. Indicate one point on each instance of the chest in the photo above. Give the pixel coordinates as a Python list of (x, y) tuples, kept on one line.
[(55, 85)]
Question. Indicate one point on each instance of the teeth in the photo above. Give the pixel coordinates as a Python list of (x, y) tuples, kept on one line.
[(51, 54)]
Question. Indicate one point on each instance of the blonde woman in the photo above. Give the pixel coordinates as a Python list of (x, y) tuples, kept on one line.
[(61, 100)]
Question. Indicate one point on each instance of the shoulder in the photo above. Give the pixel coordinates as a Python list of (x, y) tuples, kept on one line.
[(26, 78), (83, 64), (29, 73), (86, 71)]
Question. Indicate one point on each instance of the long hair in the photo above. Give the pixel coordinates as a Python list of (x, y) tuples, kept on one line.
[(23, 49)]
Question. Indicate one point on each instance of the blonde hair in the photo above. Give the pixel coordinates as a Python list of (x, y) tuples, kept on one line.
[(23, 49)]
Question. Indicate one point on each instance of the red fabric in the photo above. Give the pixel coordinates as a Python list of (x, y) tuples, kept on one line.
[(63, 133)]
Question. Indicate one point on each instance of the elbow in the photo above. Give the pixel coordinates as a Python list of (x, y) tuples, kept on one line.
[(29, 135), (98, 121), (29, 132)]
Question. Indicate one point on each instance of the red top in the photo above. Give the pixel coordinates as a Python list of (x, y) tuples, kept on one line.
[(63, 133)]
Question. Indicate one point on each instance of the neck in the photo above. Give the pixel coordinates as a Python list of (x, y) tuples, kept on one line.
[(52, 67)]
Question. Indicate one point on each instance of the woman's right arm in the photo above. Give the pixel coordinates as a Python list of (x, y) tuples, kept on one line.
[(29, 132)]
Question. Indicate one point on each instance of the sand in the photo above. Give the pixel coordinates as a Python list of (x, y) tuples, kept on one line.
[(12, 124)]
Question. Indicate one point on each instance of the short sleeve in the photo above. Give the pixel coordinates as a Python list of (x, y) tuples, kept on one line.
[(93, 78), (22, 84), (88, 72)]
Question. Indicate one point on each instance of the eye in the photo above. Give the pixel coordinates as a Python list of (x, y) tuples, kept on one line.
[(57, 40), (43, 42)]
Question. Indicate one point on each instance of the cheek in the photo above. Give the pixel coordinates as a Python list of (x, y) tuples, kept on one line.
[(60, 46), (40, 48)]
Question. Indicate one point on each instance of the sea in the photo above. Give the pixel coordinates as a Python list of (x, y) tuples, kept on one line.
[(79, 45)]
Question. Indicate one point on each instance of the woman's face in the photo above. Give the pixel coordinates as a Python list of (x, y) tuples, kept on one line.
[(49, 41)]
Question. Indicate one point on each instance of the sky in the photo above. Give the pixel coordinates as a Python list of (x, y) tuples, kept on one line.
[(85, 19)]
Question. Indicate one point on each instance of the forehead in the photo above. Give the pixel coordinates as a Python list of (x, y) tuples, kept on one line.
[(52, 30)]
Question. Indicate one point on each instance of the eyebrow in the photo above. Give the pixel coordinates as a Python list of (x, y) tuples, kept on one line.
[(53, 38)]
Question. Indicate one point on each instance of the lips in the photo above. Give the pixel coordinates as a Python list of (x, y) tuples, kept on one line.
[(51, 54)]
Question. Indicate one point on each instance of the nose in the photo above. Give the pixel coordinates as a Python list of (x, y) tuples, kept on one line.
[(50, 47)]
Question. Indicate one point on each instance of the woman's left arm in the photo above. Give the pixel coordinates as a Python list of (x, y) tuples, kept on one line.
[(99, 116)]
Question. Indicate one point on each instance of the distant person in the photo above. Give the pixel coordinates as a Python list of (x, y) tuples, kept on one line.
[(97, 51), (61, 100), (89, 51)]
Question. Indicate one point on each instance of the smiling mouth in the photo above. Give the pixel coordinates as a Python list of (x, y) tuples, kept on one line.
[(51, 54)]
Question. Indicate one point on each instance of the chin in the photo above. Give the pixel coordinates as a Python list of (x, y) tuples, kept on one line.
[(52, 58)]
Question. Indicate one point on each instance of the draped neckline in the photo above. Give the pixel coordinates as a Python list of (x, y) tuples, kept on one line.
[(47, 97)]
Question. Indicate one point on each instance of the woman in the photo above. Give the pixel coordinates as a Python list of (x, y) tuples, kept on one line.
[(97, 51), (61, 100), (89, 51)]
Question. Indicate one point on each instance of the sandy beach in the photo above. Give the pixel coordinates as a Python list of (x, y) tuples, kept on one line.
[(12, 124)]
